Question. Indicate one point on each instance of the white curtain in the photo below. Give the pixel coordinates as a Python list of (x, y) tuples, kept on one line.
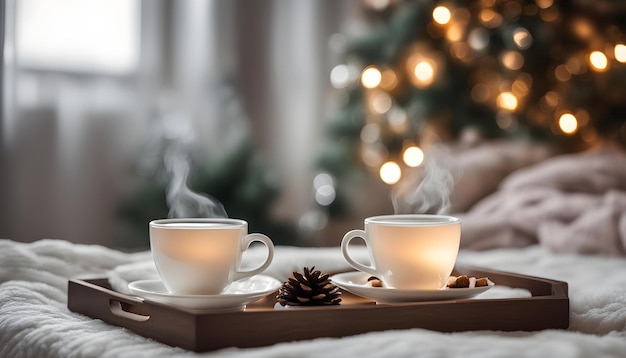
[(72, 137)]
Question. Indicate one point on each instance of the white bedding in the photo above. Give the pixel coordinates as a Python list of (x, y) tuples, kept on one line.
[(35, 321)]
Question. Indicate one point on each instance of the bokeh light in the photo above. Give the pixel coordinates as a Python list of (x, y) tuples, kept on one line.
[(370, 133), (371, 77), (598, 61), (522, 38), (424, 71), (389, 79), (568, 123), (381, 102), (562, 73), (413, 156), (620, 53), (442, 15), (390, 173), (339, 76), (322, 179), (478, 39), (507, 100), (512, 60), (325, 195)]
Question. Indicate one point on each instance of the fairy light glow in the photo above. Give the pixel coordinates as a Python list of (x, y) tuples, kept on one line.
[(568, 123), (455, 33), (371, 77), (478, 39), (507, 100), (325, 195), (389, 80), (460, 50), (390, 173), (413, 156), (397, 117), (370, 133), (562, 73), (512, 60), (424, 73), (520, 88), (339, 76), (442, 15), (620, 53), (544, 4), (381, 103), (522, 38), (490, 18), (598, 61)]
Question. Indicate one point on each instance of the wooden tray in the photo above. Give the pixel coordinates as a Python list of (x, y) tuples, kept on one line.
[(260, 324)]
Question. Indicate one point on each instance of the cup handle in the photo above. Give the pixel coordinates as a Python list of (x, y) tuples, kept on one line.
[(346, 255), (247, 240)]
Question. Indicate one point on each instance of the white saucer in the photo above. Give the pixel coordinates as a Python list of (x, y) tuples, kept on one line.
[(234, 298), (356, 282)]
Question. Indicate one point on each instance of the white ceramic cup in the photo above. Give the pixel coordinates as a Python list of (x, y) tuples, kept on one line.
[(416, 252), (202, 256)]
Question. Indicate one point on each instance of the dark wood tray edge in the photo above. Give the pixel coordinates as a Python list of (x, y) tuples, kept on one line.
[(548, 308)]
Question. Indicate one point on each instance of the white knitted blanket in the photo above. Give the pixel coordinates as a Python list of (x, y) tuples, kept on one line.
[(35, 321)]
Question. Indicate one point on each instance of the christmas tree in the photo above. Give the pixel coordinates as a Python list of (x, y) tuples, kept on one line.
[(425, 72)]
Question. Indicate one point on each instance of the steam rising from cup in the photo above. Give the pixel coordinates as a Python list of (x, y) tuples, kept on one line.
[(182, 201), (426, 189)]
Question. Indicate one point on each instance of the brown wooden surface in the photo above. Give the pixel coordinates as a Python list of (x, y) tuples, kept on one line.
[(261, 324)]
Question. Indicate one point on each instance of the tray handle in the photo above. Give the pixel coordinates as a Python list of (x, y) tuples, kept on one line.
[(132, 309)]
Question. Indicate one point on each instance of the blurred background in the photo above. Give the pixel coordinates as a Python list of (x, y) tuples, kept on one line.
[(301, 117)]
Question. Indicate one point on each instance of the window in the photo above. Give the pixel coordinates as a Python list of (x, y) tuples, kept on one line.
[(92, 36)]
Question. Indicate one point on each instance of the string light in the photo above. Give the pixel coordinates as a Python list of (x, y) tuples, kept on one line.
[(423, 72), (575, 66), (598, 61), (397, 117), (381, 103), (455, 33), (522, 38), (521, 86), (389, 80), (544, 4), (478, 39), (370, 133), (562, 73), (324, 185), (568, 123), (620, 53), (378, 5), (339, 76), (390, 173), (499, 78), (371, 77), (506, 121), (512, 60), (507, 100), (442, 15), (490, 18), (413, 156)]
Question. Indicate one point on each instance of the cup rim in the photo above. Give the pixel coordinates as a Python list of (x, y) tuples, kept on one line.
[(163, 223), (413, 220)]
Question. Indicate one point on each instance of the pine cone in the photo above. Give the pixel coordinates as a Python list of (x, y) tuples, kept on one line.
[(311, 289)]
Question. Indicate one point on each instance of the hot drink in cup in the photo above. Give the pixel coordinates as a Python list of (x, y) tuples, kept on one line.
[(202, 256), (408, 251)]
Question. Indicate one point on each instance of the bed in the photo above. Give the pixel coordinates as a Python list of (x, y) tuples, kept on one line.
[(35, 320)]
